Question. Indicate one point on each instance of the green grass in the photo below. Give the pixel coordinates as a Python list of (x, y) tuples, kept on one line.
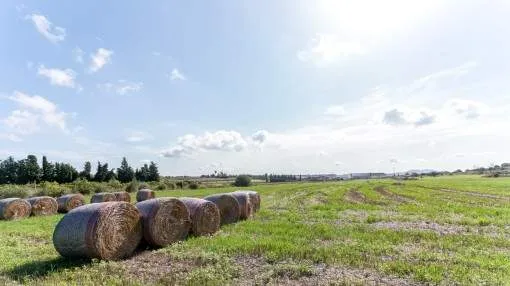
[(419, 232)]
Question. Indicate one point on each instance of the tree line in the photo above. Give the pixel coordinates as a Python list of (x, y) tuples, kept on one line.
[(27, 170)]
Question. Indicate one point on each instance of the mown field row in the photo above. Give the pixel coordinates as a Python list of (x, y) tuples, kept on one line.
[(446, 230)]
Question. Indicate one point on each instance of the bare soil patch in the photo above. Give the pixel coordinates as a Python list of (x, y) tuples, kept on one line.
[(422, 225), (388, 194), (476, 194), (443, 229), (154, 267), (355, 196), (255, 271)]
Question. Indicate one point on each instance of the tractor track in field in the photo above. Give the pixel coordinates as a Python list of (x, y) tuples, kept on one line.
[(355, 196), (471, 193), (388, 194)]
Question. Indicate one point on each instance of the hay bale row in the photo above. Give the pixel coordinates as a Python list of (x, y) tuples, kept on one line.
[(113, 230), (205, 216), (102, 197), (68, 202), (228, 207), (14, 208), (164, 221), (122, 197), (145, 194), (42, 206), (239, 205), (254, 199), (109, 231)]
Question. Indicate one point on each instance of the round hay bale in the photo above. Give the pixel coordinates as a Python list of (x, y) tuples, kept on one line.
[(228, 206), (103, 197), (14, 208), (254, 199), (145, 194), (43, 205), (164, 221), (205, 216), (245, 206), (122, 197), (69, 202), (109, 231)]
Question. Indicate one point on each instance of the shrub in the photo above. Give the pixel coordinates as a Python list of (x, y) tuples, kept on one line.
[(193, 185), (160, 187), (242, 181), (99, 188), (82, 186), (132, 187), (52, 189), (170, 185), (143, 186), (12, 191), (114, 184)]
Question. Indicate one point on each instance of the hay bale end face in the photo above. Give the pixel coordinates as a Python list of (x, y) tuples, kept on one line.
[(245, 205), (109, 231), (145, 194), (122, 197), (164, 221), (205, 216), (43, 205), (228, 206), (254, 199), (68, 202), (14, 208), (103, 197)]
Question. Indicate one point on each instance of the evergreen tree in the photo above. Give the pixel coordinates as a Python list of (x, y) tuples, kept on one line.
[(87, 171), (47, 171), (143, 174), (100, 174), (125, 173), (9, 169), (153, 172)]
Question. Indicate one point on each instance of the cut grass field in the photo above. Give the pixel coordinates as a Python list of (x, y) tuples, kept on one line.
[(445, 230)]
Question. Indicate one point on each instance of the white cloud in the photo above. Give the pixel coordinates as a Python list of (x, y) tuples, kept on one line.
[(176, 75), (425, 119), (221, 140), (22, 122), (100, 59), (51, 32), (138, 136), (467, 108), (36, 109), (78, 55), (58, 77), (121, 87), (156, 53), (394, 117), (335, 110), (434, 79), (10, 137), (260, 136), (409, 116), (325, 49)]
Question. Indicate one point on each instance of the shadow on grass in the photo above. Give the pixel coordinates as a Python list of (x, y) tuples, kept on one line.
[(42, 268)]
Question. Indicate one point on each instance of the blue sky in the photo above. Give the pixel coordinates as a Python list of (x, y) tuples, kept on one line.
[(257, 86)]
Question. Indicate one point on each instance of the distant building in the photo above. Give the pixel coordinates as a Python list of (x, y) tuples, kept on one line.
[(364, 176)]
